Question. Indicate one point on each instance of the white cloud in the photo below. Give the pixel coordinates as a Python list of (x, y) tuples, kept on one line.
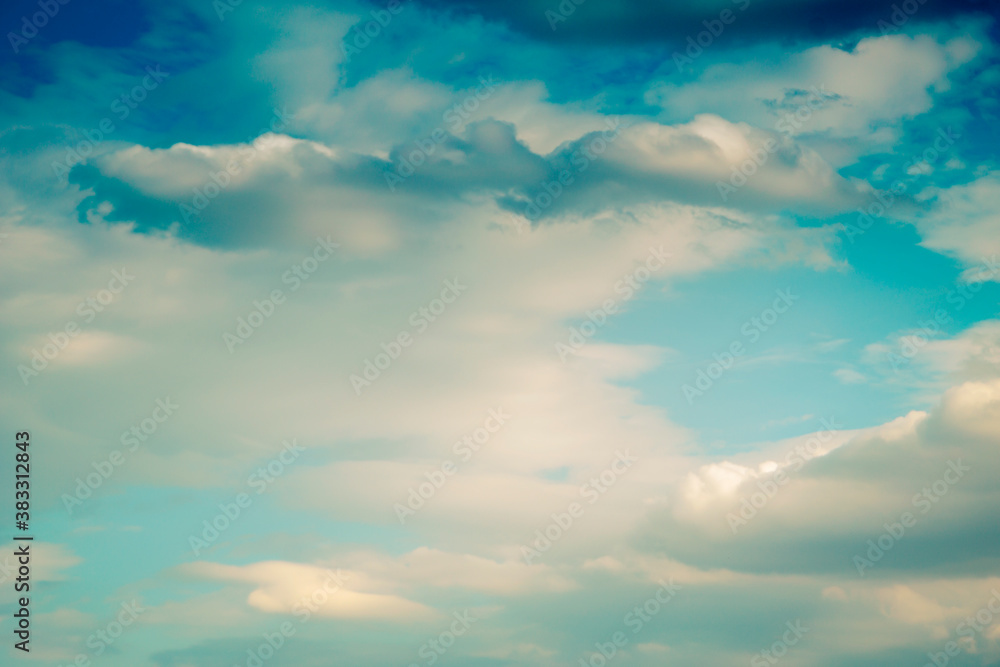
[(285, 588), (965, 222), (868, 91)]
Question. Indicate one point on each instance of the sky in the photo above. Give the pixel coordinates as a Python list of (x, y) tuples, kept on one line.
[(542, 333)]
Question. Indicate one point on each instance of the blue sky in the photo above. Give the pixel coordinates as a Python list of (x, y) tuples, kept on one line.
[(536, 313)]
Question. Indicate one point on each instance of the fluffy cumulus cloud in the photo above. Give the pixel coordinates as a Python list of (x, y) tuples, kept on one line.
[(846, 100), (518, 335), (963, 222)]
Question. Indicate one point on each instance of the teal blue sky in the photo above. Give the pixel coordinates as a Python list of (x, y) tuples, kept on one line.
[(484, 265)]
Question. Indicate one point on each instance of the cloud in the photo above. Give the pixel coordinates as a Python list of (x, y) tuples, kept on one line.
[(827, 503), (963, 222), (671, 24), (266, 140), (849, 376), (286, 588), (861, 95), (195, 191)]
